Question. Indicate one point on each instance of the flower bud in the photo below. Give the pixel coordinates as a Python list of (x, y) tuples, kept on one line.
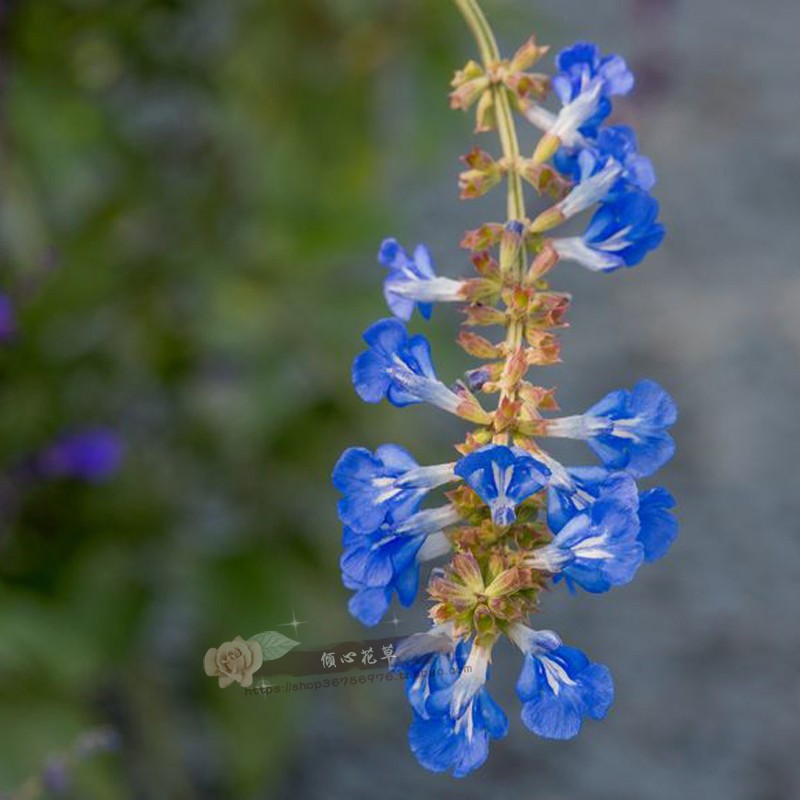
[(482, 238)]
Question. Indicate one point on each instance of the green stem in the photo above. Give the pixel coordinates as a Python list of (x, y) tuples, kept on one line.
[(490, 54)]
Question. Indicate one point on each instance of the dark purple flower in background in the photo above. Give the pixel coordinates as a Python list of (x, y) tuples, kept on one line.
[(55, 777), (92, 454), (8, 323)]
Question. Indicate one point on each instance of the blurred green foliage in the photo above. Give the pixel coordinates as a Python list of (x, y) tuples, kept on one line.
[(191, 194)]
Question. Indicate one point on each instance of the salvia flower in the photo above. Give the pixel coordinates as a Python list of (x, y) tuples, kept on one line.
[(388, 482), (620, 234), (93, 455), (573, 490), (503, 477), (584, 84), (412, 282), (615, 146), (516, 521), (450, 732), (626, 429), (558, 686), (387, 560), (597, 549), (577, 488), (399, 368)]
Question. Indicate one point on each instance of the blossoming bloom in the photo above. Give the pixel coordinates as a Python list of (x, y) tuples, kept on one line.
[(508, 519), (412, 282), (387, 560), (503, 477), (626, 429), (577, 488), (399, 368), (584, 84), (621, 233), (615, 146), (597, 549), (445, 736), (558, 685), (92, 455), (388, 482)]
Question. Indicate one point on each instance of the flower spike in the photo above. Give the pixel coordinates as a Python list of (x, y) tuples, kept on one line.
[(511, 520)]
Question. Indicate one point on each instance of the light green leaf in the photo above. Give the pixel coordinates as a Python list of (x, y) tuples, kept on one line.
[(273, 644)]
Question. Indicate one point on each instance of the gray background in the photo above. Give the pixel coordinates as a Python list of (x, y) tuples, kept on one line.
[(705, 645)]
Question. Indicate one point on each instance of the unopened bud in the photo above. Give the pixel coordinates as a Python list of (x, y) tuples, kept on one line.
[(484, 315), (482, 238), (551, 218), (527, 55), (477, 346), (543, 263), (546, 148)]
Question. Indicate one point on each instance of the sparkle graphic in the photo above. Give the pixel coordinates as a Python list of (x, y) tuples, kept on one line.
[(295, 623), (393, 621)]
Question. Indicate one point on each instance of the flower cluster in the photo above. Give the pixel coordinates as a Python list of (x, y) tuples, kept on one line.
[(512, 519)]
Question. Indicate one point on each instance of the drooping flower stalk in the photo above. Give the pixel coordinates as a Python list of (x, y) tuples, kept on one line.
[(516, 520)]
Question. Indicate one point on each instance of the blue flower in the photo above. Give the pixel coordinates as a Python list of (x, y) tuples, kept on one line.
[(411, 281), (445, 738), (605, 171), (388, 482), (558, 685), (92, 455), (574, 490), (620, 234), (635, 438), (385, 561), (399, 368), (659, 527), (626, 429), (585, 82), (571, 491), (597, 549), (615, 145), (503, 477)]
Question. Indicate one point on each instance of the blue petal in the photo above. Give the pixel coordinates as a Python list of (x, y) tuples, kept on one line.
[(392, 255), (369, 377), (420, 349), (387, 335), (423, 262), (659, 527), (396, 459), (369, 605), (432, 743), (402, 307), (406, 584), (493, 717), (650, 398), (553, 717)]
